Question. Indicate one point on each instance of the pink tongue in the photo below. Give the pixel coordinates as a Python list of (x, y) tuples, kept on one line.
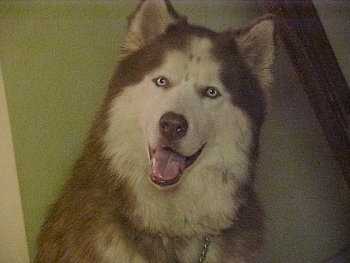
[(166, 166)]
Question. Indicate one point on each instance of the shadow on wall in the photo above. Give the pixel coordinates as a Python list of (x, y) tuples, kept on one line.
[(342, 257), (306, 199)]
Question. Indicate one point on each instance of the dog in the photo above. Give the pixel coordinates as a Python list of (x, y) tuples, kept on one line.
[(168, 167)]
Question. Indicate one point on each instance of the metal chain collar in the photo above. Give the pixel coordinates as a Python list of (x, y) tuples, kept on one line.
[(204, 249), (203, 253)]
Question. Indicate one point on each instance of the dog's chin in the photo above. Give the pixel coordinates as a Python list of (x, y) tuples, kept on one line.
[(167, 165)]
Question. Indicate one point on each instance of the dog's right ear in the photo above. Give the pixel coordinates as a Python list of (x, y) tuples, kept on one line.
[(150, 19), (256, 42)]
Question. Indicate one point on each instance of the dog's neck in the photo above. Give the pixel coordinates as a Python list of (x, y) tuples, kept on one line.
[(170, 251)]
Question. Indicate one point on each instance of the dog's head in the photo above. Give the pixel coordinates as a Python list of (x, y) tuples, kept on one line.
[(186, 106)]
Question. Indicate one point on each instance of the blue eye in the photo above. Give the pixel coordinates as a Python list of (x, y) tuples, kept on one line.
[(212, 92), (161, 82)]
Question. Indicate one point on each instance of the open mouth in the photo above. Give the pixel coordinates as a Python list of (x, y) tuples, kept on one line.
[(167, 165)]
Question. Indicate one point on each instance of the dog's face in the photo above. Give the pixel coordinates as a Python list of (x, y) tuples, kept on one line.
[(183, 122), (184, 111)]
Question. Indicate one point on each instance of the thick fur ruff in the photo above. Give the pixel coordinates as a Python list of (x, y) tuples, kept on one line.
[(170, 158)]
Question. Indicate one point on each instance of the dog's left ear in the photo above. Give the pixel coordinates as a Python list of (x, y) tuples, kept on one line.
[(150, 19), (256, 45)]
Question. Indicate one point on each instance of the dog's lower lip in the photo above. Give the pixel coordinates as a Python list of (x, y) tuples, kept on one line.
[(191, 159)]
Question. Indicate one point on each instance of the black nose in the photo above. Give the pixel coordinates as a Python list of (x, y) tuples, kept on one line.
[(173, 126)]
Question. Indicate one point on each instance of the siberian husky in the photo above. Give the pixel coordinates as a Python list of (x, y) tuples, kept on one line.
[(167, 171)]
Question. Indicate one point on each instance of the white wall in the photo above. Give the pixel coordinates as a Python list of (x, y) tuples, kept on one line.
[(13, 244)]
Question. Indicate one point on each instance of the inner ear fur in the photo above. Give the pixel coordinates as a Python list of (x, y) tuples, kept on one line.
[(256, 45), (148, 21)]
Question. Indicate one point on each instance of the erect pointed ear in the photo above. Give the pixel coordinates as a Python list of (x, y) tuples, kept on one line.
[(150, 19), (256, 44)]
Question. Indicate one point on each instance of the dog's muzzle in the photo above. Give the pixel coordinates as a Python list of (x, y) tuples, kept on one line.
[(167, 164)]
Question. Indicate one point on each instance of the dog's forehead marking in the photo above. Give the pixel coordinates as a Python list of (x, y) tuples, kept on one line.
[(195, 64), (200, 47)]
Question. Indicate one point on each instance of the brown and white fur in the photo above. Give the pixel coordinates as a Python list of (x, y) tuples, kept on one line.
[(111, 209)]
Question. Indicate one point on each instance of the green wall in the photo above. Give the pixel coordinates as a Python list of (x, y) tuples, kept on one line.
[(57, 59)]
